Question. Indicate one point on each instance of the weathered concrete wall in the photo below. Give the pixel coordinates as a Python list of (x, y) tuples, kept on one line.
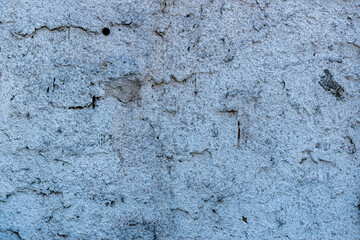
[(205, 119)]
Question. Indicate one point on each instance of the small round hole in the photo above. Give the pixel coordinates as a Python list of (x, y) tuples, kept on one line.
[(106, 31)]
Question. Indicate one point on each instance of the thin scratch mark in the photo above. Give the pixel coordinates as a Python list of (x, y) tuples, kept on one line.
[(238, 133)]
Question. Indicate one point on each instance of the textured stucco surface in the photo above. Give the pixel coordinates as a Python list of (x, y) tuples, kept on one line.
[(206, 119)]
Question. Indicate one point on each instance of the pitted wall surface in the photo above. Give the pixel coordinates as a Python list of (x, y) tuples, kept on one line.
[(207, 119)]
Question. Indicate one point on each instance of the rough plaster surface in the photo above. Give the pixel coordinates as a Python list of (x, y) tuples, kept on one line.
[(205, 119)]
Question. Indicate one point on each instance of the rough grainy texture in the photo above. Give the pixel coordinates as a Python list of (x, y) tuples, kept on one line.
[(207, 119)]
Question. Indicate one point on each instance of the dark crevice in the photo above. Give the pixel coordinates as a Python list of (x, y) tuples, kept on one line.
[(93, 101), (56, 29), (154, 233), (352, 148), (179, 209), (232, 111), (195, 153), (80, 107), (159, 33), (14, 232), (62, 235), (238, 133), (53, 85), (90, 105)]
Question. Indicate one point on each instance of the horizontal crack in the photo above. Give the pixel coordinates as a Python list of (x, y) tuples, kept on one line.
[(56, 29), (90, 105)]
